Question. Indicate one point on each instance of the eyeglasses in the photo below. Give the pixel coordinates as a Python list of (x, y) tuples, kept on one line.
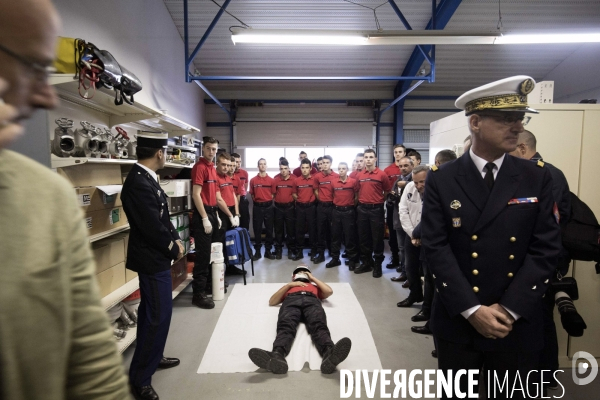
[(41, 71), (508, 120)]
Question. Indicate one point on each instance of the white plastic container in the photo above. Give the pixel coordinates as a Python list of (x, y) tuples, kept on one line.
[(218, 279)]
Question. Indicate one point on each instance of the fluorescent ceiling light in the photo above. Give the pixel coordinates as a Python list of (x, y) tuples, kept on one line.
[(375, 38)]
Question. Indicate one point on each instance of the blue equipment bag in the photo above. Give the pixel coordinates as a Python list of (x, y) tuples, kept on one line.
[(238, 248)]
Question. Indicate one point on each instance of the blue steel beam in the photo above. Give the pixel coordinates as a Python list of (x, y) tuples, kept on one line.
[(189, 59), (312, 101), (402, 96), (212, 96), (310, 78), (444, 11), (406, 25)]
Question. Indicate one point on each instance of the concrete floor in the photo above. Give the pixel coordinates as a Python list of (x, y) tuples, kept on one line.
[(398, 347)]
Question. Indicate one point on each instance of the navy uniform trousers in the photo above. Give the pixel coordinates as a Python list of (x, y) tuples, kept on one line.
[(154, 319), (306, 221), (298, 308)]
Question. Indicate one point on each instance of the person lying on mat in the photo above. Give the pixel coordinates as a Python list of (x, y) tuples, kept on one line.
[(301, 302)]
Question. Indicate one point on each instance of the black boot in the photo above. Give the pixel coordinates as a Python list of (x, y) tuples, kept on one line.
[(395, 262), (203, 301), (278, 253), (144, 393), (273, 361), (298, 255), (335, 355), (351, 265), (291, 254), (363, 268), (269, 255), (377, 272), (345, 254), (257, 256), (335, 262), (313, 254), (319, 258)]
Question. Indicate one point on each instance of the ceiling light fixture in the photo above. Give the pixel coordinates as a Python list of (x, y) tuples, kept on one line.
[(424, 37)]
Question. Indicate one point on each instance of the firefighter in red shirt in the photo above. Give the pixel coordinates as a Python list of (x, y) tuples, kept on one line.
[(301, 301), (306, 210), (284, 190), (298, 171), (244, 204), (360, 165), (324, 193), (343, 218), (206, 224), (393, 172), (373, 185), (261, 190)]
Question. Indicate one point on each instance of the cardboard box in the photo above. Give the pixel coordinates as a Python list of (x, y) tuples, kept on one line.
[(179, 272), (186, 220), (91, 198), (175, 221), (125, 237), (108, 253), (111, 279), (175, 187), (180, 223), (92, 174), (103, 220), (129, 275)]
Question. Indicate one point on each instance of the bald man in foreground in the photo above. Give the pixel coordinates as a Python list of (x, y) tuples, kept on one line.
[(55, 339)]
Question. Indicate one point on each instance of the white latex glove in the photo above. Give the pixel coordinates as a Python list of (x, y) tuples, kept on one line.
[(207, 225), (219, 219), (235, 221)]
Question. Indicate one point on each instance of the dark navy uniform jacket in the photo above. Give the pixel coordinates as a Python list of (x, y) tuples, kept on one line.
[(152, 239), (483, 250)]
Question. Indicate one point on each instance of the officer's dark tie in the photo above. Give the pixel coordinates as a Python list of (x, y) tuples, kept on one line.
[(489, 175)]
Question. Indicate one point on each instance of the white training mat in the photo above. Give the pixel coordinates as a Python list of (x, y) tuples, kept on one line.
[(247, 321)]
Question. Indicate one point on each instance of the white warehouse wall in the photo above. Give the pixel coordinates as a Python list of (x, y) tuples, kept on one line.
[(141, 35)]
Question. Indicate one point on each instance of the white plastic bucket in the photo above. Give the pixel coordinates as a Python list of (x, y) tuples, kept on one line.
[(218, 279)]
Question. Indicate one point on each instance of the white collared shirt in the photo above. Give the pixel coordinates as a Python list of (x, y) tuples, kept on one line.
[(152, 173), (480, 163)]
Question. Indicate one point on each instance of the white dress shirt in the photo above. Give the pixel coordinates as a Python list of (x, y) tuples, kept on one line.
[(480, 164)]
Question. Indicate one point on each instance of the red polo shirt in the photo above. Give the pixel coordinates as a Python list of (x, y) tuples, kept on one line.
[(261, 188), (343, 192), (298, 171), (323, 185), (205, 175), (305, 189), (227, 189), (243, 177), (283, 189), (354, 174), (372, 185), (237, 185), (393, 172)]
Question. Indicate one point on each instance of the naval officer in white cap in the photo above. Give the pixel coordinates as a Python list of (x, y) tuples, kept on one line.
[(492, 241)]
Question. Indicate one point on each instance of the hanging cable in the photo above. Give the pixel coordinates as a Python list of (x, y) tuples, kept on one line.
[(231, 15), (499, 25), (372, 9)]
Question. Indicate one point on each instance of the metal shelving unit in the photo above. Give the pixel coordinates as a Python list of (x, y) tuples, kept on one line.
[(60, 162), (115, 297), (131, 333), (108, 233)]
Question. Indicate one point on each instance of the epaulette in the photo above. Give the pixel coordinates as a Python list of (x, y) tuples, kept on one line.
[(434, 168), (540, 164)]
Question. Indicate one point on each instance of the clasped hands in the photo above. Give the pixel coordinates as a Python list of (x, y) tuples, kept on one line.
[(492, 322)]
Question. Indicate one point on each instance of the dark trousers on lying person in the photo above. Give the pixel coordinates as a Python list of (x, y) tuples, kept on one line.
[(413, 275), (370, 233), (306, 221), (202, 270), (263, 213), (154, 319), (298, 308), (285, 226), (344, 227)]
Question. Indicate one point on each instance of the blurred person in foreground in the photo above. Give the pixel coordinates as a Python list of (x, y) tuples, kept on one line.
[(55, 339)]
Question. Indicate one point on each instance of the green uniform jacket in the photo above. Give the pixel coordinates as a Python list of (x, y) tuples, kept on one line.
[(55, 339)]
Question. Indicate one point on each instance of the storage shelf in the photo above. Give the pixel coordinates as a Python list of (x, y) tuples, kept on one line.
[(61, 162), (108, 233), (179, 212), (131, 333), (115, 297), (68, 89)]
